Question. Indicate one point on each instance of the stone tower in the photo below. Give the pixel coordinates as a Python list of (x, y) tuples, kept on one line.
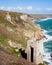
[(8, 17), (35, 51)]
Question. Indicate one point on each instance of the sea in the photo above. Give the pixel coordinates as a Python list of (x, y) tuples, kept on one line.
[(46, 26)]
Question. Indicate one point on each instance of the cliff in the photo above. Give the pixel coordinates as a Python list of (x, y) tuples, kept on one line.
[(15, 30)]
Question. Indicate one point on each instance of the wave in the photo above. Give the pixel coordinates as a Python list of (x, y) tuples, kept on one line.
[(49, 38), (39, 26), (45, 31), (47, 57), (44, 19), (50, 30)]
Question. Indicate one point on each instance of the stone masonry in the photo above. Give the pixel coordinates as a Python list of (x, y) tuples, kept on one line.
[(37, 50)]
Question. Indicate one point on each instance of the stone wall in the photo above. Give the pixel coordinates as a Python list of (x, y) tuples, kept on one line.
[(37, 50)]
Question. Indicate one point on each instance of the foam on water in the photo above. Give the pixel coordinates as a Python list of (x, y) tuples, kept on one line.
[(47, 54), (44, 31), (49, 30), (49, 38), (44, 19), (47, 58)]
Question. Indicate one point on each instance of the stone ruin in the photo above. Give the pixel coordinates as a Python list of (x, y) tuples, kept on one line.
[(35, 51)]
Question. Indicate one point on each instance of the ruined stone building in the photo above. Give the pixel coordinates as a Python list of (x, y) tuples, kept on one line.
[(35, 51)]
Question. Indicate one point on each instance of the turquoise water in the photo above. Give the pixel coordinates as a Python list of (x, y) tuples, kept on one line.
[(46, 25)]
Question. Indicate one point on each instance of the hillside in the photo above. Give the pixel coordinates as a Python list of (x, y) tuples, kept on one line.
[(41, 16), (15, 31), (8, 59)]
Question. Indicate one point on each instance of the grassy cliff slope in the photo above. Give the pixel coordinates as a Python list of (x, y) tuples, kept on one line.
[(16, 35)]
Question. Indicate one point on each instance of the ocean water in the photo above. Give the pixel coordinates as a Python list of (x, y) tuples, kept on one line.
[(46, 26)]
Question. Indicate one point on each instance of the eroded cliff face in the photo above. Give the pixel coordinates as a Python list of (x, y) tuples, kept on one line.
[(15, 30), (19, 31), (31, 29)]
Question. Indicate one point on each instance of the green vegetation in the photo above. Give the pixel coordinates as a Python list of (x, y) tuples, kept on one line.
[(17, 34), (12, 51), (7, 35), (14, 63), (4, 43), (4, 22), (41, 64)]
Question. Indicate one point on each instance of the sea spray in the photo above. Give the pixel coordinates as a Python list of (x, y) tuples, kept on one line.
[(46, 27)]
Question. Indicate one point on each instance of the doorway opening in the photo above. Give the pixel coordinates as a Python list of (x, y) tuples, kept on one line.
[(23, 54), (32, 50)]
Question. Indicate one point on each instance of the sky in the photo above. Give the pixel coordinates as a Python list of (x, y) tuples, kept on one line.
[(27, 6)]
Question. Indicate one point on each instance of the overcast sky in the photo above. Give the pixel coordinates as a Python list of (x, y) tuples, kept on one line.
[(27, 6)]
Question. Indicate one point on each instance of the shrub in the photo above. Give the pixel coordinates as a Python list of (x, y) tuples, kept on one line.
[(41, 64)]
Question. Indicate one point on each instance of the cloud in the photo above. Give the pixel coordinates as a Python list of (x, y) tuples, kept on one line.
[(49, 9), (2, 7), (9, 8), (26, 9), (14, 8), (42, 9), (18, 8), (29, 8), (37, 9)]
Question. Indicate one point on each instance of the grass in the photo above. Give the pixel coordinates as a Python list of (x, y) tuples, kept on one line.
[(5, 22), (6, 35), (41, 64), (3, 39), (16, 63), (12, 51), (4, 43), (18, 38)]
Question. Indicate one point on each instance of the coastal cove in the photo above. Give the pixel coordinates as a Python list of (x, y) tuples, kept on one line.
[(46, 26)]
